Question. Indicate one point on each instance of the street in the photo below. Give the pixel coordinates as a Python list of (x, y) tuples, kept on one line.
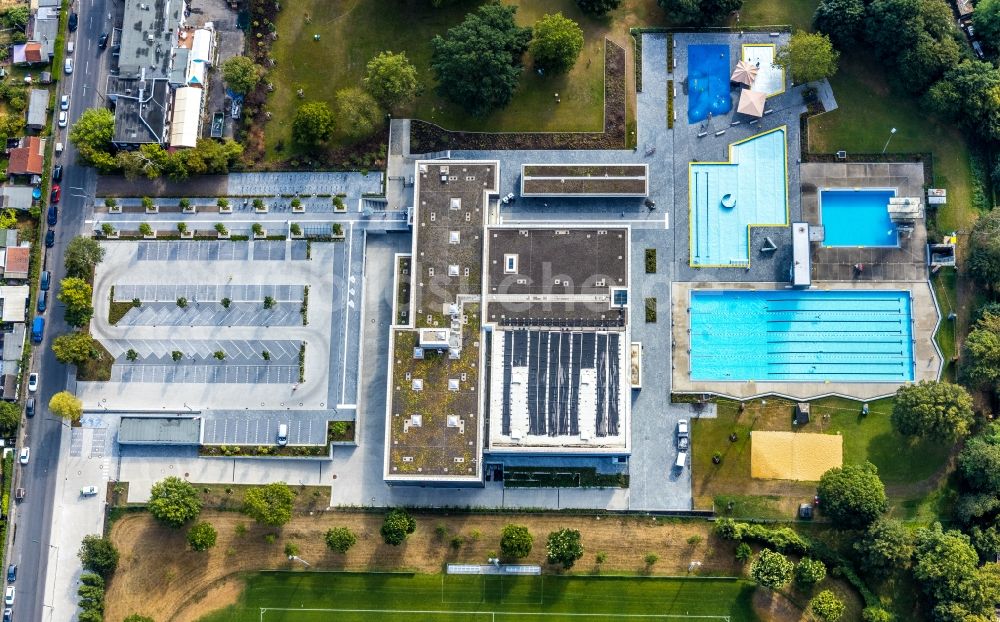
[(32, 519)]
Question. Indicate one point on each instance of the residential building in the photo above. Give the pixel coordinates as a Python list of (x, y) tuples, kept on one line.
[(38, 109), (28, 158), (16, 197)]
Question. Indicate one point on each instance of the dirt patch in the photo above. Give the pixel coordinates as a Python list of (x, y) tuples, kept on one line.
[(159, 575), (774, 607)]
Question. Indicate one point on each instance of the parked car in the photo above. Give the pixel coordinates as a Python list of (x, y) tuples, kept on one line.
[(57, 172), (63, 119), (29, 408), (33, 382), (64, 102), (683, 435), (74, 21), (11, 573), (283, 434), (43, 301), (46, 279), (56, 193), (805, 511), (102, 41), (25, 455), (53, 215), (50, 239), (88, 491), (68, 66), (8, 614), (8, 596), (69, 47)]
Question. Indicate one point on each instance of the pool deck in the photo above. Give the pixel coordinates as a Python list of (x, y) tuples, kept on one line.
[(927, 358)]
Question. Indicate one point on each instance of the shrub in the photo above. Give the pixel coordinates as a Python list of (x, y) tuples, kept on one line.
[(651, 558), (340, 539), (826, 606), (743, 552), (809, 572), (202, 536), (564, 547), (515, 541), (398, 524)]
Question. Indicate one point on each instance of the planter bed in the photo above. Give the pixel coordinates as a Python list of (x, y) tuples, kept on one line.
[(583, 170)]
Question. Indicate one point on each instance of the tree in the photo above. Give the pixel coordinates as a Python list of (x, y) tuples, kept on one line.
[(135, 617), (515, 541), (889, 21), (10, 416), (202, 536), (809, 572), (174, 501), (313, 124), (932, 409), (979, 460), (98, 555), (841, 20), (852, 496), (968, 94), (986, 541), (771, 570), (809, 56), (556, 44), (16, 17), (397, 525), (340, 539), (875, 614), (598, 8), (81, 256), (984, 258), (944, 561), (270, 504), (986, 21), (66, 405), (826, 606), (241, 74), (926, 59), (358, 112), (74, 348), (149, 161), (391, 79), (478, 62), (564, 547), (76, 294), (981, 366), (91, 135), (887, 546), (699, 11)]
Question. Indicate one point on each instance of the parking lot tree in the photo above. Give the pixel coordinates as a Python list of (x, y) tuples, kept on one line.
[(182, 227), (771, 570), (82, 255), (222, 203), (564, 547), (257, 228), (76, 294), (852, 496), (220, 354), (809, 572), (340, 539), (598, 8), (338, 229), (986, 21), (809, 56), (556, 43), (98, 555), (221, 229), (358, 112), (313, 124), (699, 11), (270, 504), (478, 62), (398, 524), (225, 302), (258, 203), (241, 74), (66, 405), (269, 302), (202, 536), (885, 547), (841, 20), (391, 79), (827, 607), (979, 461), (264, 354), (91, 135), (932, 409), (515, 541), (74, 348), (10, 416), (174, 501), (145, 229), (176, 355), (295, 228), (107, 229), (182, 302)]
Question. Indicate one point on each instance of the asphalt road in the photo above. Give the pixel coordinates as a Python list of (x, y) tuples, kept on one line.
[(33, 517)]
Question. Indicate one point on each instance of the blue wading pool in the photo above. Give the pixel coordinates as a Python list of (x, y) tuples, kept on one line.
[(708, 81), (801, 335), (857, 217)]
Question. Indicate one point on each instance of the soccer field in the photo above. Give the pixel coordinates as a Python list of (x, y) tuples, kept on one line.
[(356, 597)]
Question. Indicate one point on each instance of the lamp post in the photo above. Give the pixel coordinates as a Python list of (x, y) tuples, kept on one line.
[(891, 132)]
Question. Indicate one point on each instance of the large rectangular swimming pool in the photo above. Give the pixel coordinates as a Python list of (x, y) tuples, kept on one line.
[(801, 335), (857, 217), (708, 81)]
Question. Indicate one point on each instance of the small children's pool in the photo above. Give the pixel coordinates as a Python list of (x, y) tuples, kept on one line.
[(857, 217), (708, 81)]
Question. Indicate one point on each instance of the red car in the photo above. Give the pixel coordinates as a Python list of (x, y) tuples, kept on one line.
[(56, 193)]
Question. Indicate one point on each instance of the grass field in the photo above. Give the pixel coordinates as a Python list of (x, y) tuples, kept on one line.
[(356, 597)]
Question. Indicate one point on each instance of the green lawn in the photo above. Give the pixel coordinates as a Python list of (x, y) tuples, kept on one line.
[(945, 289), (797, 13), (288, 596)]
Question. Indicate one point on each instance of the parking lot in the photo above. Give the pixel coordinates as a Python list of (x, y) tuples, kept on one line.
[(263, 430), (222, 250), (206, 373)]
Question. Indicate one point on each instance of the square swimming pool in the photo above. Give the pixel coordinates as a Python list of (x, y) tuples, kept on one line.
[(857, 217), (708, 81), (801, 336)]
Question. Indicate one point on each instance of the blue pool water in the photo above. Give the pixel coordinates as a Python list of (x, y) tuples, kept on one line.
[(801, 335), (708, 81), (727, 198), (857, 217)]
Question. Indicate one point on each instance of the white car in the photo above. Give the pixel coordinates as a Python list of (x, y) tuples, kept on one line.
[(89, 491), (68, 66), (33, 382), (62, 119), (8, 596), (683, 435), (64, 102), (25, 454)]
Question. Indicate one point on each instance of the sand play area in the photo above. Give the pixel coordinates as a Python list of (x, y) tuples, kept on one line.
[(794, 455)]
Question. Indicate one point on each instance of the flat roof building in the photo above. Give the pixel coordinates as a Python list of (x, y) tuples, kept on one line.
[(149, 34), (186, 124), (141, 110), (159, 431), (38, 108)]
